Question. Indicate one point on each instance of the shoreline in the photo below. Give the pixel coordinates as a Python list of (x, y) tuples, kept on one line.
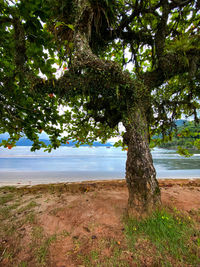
[(110, 182)]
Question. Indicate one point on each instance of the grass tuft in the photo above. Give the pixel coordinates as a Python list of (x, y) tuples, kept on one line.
[(5, 211), (42, 251), (29, 206), (169, 233), (8, 189), (6, 198)]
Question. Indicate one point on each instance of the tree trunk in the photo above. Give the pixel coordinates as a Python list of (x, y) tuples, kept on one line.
[(144, 192)]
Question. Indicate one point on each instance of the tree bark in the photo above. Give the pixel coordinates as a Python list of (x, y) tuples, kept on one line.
[(144, 192), (143, 187)]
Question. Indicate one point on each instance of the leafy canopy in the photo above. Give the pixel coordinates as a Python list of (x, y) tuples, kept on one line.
[(113, 56)]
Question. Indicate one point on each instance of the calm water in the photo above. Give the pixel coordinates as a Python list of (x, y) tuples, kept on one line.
[(75, 164)]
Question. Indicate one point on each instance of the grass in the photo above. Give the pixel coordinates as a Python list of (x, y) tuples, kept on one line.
[(40, 244), (15, 212), (29, 206), (96, 257), (30, 218), (5, 211), (23, 264), (170, 233), (64, 234), (8, 189), (42, 251), (37, 233), (6, 198)]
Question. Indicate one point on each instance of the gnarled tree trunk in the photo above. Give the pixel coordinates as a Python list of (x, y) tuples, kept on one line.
[(144, 192), (143, 187)]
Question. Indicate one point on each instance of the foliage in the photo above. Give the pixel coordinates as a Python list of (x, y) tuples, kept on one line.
[(184, 137), (90, 42)]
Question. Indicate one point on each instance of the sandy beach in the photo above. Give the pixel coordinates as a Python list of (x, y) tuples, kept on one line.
[(39, 178), (82, 223)]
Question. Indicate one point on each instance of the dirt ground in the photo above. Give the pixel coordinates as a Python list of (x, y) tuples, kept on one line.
[(66, 223)]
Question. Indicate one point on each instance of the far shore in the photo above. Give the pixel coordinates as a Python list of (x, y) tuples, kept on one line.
[(43, 183)]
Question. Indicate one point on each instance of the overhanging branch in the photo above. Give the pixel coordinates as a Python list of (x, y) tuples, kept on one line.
[(170, 65)]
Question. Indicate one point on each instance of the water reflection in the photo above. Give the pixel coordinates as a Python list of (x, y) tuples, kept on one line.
[(88, 163)]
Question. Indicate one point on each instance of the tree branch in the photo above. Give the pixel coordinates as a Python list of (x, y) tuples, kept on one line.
[(170, 65), (162, 30), (20, 44), (5, 20), (84, 57)]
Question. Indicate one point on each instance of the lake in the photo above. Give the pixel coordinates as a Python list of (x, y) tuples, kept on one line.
[(20, 165)]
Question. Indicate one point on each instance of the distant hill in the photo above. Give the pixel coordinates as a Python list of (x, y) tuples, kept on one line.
[(45, 138), (186, 137), (180, 122), (27, 142)]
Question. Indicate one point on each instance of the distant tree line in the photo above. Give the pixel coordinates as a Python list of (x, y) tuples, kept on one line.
[(185, 136)]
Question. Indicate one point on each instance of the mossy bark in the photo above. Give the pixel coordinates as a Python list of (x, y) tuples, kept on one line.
[(143, 187), (144, 192)]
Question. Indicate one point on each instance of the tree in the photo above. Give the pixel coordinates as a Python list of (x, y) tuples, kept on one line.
[(94, 40), (186, 136)]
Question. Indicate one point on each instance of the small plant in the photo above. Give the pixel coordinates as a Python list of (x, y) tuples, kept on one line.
[(86, 260), (8, 189), (94, 255), (37, 233), (6, 198), (64, 233), (42, 251), (5, 211), (29, 206), (23, 264), (30, 218), (169, 233), (8, 255), (51, 189)]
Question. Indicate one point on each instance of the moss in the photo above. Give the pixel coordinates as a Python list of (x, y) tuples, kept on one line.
[(157, 191)]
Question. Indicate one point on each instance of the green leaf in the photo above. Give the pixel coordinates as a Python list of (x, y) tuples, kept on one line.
[(70, 26)]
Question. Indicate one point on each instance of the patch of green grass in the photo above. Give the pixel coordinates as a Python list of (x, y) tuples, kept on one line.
[(37, 233), (5, 211), (29, 206), (86, 260), (91, 259), (8, 255), (51, 189), (42, 251), (6, 198), (8, 189), (115, 259), (64, 234), (169, 233), (9, 229), (95, 257), (23, 264), (30, 218), (40, 244)]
